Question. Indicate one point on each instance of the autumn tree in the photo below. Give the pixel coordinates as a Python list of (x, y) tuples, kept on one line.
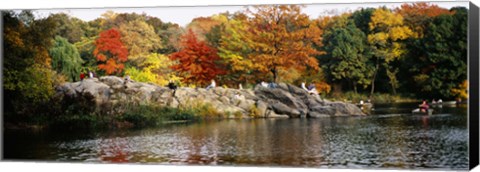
[(140, 39), (28, 80), (169, 34), (214, 35), (282, 38), (234, 50), (110, 52), (154, 69), (418, 15), (387, 31), (198, 63), (66, 59)]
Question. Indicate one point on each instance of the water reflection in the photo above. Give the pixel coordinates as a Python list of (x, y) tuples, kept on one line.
[(388, 140)]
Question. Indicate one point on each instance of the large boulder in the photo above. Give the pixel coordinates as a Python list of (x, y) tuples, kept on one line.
[(284, 100), (295, 102)]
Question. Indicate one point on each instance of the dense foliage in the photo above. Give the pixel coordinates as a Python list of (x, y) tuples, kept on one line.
[(417, 50)]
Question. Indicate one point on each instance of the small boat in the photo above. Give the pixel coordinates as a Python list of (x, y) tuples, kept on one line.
[(436, 105), (418, 111), (449, 102)]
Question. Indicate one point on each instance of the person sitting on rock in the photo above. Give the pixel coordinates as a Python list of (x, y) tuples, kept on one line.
[(90, 74), (127, 80), (303, 86), (312, 90), (212, 85), (173, 87), (272, 85), (264, 84), (82, 76)]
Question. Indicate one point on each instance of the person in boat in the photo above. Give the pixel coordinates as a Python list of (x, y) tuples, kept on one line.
[(173, 87), (424, 106)]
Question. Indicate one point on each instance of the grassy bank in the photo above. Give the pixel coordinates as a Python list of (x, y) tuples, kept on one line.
[(353, 97), (124, 115)]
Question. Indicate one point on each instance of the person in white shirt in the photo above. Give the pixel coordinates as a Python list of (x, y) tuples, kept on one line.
[(212, 85), (303, 86)]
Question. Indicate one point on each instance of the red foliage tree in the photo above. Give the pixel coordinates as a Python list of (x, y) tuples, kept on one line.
[(198, 62), (110, 52)]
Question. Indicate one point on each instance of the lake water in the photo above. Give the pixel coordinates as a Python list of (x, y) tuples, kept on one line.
[(389, 138)]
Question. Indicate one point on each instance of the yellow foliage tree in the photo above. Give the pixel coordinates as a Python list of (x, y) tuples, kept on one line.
[(387, 33), (154, 69), (461, 91)]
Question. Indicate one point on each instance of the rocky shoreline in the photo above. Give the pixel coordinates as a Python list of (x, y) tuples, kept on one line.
[(283, 101)]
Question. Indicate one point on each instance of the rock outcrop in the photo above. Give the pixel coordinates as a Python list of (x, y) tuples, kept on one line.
[(284, 100)]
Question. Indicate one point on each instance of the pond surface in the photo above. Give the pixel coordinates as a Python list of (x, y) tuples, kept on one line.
[(389, 138)]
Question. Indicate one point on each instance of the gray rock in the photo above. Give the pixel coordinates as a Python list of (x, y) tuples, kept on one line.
[(317, 115), (283, 101), (281, 108), (262, 108)]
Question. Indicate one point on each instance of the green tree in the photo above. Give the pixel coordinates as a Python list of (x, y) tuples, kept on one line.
[(28, 80), (66, 59), (169, 34), (85, 48), (445, 65), (345, 45), (69, 27), (362, 19)]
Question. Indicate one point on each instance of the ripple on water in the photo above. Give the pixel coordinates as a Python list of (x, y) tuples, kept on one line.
[(387, 141)]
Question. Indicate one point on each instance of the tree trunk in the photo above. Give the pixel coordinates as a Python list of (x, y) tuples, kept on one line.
[(274, 72), (374, 77), (354, 87)]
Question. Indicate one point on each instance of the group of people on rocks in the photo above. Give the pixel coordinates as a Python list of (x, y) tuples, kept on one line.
[(171, 85), (311, 89), (90, 74)]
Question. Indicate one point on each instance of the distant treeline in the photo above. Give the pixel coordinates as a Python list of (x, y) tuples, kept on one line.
[(417, 50)]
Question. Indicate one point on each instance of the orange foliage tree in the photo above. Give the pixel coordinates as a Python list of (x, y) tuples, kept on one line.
[(198, 62), (418, 15), (282, 38), (110, 52), (202, 25)]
